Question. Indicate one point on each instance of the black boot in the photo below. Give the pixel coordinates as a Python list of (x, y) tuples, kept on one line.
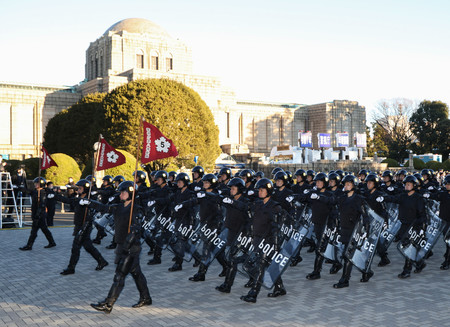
[(420, 266), (196, 263), (142, 302), (229, 280), (26, 248), (317, 268), (384, 261), (102, 306), (154, 261), (224, 288), (346, 273), (250, 297), (406, 270), (101, 264), (278, 290), (176, 267), (296, 261), (429, 255), (250, 283), (335, 268), (113, 245), (366, 276), (200, 275), (50, 245), (68, 271)]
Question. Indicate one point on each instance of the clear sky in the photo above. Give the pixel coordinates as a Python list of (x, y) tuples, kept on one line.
[(285, 51)]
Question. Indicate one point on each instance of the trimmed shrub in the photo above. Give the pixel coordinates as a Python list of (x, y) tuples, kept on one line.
[(391, 162), (67, 167), (435, 165), (417, 163)]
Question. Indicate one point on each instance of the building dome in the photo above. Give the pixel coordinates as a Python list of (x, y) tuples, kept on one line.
[(139, 26)]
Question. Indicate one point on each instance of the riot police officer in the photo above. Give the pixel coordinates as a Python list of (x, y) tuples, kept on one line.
[(266, 226), (127, 235), (39, 198)]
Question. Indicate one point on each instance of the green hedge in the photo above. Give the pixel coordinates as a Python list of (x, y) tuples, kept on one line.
[(446, 165), (391, 162), (417, 163), (31, 167), (435, 165), (67, 167)]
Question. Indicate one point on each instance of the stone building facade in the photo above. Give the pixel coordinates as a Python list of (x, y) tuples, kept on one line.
[(136, 49)]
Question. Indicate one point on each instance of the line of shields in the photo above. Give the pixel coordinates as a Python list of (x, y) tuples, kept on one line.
[(294, 231), (418, 242)]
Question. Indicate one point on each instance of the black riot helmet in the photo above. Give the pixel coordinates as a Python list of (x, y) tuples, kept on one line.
[(281, 175), (91, 179), (311, 173), (212, 179), (340, 173), (141, 177), (226, 172), (162, 174), (402, 172), (335, 177), (302, 173), (238, 182), (420, 179), (199, 170), (411, 179), (41, 181), (119, 179), (276, 170), (352, 179), (322, 177), (289, 175), (446, 180), (248, 174), (388, 173), (259, 174), (127, 186), (173, 174), (373, 178), (108, 179), (85, 184), (183, 177), (363, 172), (266, 184)]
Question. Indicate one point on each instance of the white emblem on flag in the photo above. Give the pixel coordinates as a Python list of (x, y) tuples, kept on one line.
[(112, 156), (162, 145)]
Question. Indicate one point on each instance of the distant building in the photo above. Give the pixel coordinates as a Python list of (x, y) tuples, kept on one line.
[(137, 48)]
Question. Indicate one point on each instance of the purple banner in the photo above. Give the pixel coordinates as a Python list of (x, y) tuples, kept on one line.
[(342, 140), (324, 140), (361, 141), (306, 140)]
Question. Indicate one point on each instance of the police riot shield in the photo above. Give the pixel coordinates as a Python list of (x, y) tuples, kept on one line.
[(418, 242), (105, 221), (164, 230), (447, 238), (332, 249), (390, 228), (362, 245), (184, 241), (210, 242)]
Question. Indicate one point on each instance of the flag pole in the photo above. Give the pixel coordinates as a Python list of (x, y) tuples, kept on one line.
[(135, 171), (40, 164), (94, 169)]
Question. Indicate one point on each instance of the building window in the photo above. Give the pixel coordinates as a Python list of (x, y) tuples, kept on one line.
[(169, 62), (140, 59), (155, 60), (281, 131)]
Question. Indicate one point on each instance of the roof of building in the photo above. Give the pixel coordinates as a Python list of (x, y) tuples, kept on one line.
[(139, 26)]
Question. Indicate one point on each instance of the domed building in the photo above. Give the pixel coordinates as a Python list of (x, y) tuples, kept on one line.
[(137, 48)]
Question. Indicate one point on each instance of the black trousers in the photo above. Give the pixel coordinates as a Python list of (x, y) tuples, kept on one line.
[(39, 224), (86, 243), (50, 215), (127, 264)]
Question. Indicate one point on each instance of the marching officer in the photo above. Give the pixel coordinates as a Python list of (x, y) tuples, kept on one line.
[(128, 232), (39, 198)]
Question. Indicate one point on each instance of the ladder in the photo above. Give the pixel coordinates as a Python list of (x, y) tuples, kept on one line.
[(8, 201)]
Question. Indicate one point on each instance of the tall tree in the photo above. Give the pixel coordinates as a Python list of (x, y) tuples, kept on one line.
[(428, 125), (379, 140), (393, 117)]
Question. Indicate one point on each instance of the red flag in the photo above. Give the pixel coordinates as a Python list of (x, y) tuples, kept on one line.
[(156, 145), (108, 156), (47, 161)]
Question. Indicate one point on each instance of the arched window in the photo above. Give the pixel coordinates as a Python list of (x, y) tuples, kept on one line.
[(155, 60), (140, 59), (169, 62)]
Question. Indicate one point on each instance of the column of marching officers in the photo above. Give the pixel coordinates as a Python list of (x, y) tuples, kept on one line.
[(248, 203)]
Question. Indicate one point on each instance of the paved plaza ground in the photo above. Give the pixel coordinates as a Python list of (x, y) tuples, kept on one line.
[(33, 293)]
